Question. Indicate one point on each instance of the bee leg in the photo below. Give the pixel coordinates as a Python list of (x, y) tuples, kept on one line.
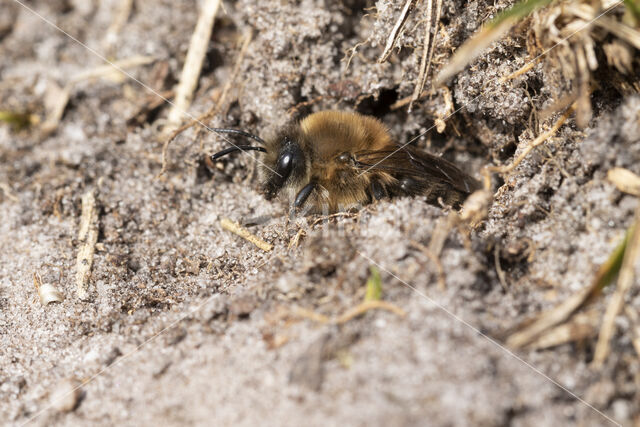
[(304, 194), (377, 190)]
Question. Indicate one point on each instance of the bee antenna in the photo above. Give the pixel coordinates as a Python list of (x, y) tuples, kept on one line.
[(238, 132), (234, 149)]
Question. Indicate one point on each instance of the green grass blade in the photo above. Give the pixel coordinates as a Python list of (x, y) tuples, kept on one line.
[(374, 285), (634, 7), (611, 267), (18, 121)]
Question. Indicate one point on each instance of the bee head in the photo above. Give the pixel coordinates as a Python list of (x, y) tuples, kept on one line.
[(284, 163)]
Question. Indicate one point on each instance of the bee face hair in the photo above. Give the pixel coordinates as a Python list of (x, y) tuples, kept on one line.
[(332, 161)]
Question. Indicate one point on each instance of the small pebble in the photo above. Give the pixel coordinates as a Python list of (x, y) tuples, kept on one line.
[(65, 396)]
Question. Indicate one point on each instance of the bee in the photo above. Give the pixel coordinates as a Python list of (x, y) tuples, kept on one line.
[(333, 161)]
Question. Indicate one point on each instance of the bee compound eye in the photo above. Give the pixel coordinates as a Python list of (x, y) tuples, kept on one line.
[(344, 158), (285, 164)]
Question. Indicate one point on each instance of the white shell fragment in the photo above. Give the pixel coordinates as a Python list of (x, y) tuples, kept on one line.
[(48, 294)]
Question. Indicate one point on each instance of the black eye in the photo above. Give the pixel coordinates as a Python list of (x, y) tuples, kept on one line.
[(290, 162), (285, 165)]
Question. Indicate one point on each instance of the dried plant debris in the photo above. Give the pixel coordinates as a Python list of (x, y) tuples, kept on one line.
[(220, 104), (565, 37), (490, 32), (625, 280), (120, 18), (625, 180), (193, 62), (241, 231), (570, 33), (396, 30), (428, 48), (87, 238), (533, 329)]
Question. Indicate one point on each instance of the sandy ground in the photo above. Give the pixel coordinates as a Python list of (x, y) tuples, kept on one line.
[(186, 323)]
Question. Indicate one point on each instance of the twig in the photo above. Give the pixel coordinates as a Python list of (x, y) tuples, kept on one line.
[(528, 66), (121, 16), (501, 275), (422, 76), (7, 192), (293, 110), (236, 228), (435, 260), (334, 215), (111, 68), (425, 64), (193, 63), (549, 319), (395, 32), (407, 100), (87, 236), (295, 240), (583, 104), (212, 111), (439, 236), (625, 280), (435, 36), (632, 314), (55, 108), (582, 326)]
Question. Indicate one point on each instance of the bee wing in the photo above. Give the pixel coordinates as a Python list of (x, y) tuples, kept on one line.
[(416, 164)]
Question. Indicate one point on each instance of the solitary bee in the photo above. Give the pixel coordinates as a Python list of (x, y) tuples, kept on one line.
[(332, 161)]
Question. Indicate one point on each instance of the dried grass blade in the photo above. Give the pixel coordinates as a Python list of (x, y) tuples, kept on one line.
[(491, 32), (532, 329), (395, 32), (625, 180), (625, 280)]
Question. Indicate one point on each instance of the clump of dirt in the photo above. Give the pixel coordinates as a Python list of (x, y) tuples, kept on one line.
[(187, 323)]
